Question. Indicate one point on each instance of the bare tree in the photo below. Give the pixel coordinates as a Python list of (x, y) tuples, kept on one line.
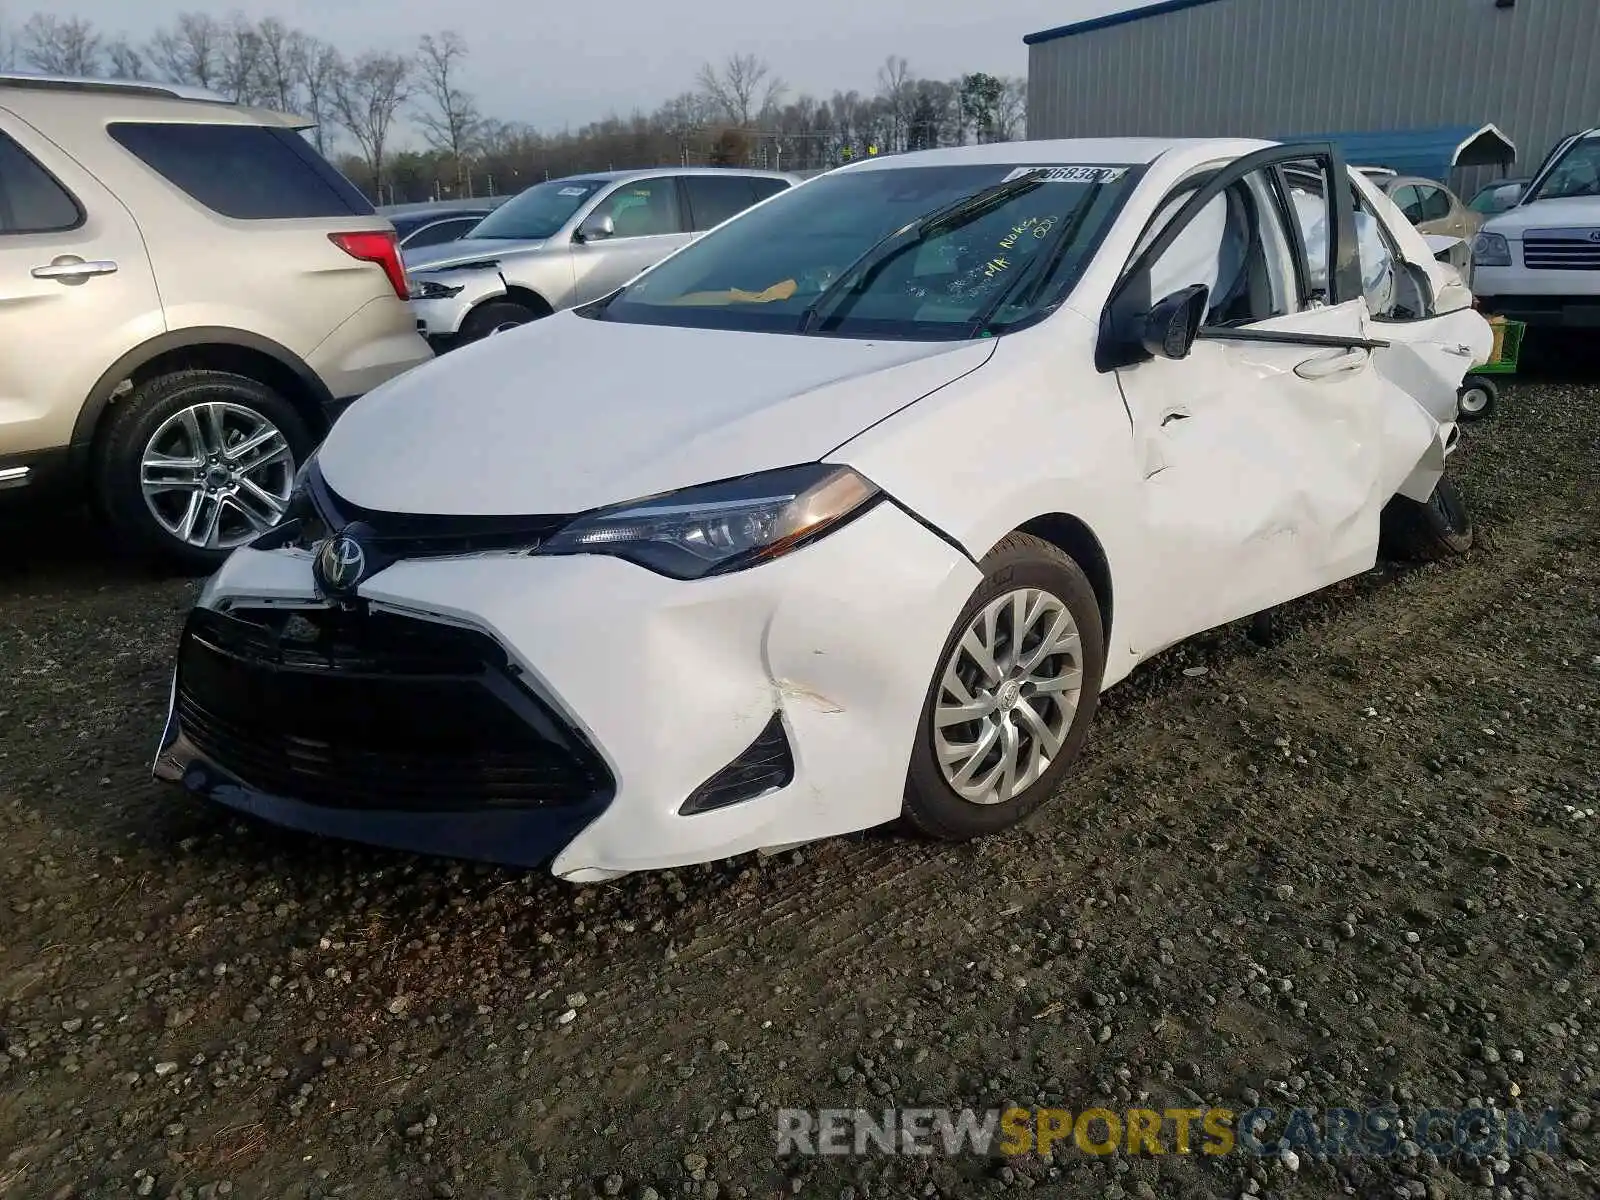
[(1011, 113), (8, 45), (898, 91), (742, 89), (321, 71), (368, 97), (280, 51), (449, 117), (124, 61), (191, 51), (61, 45), (239, 61)]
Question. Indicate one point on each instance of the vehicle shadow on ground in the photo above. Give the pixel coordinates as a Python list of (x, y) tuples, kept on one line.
[(67, 547), (1560, 357)]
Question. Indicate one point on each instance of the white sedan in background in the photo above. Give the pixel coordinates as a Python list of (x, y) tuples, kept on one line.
[(847, 512)]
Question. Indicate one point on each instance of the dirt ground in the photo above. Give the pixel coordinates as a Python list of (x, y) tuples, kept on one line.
[(1354, 867)]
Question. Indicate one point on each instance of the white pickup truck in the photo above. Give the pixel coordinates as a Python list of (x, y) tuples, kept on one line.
[(1539, 261)]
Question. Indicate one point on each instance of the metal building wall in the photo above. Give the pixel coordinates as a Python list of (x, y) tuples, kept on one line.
[(1256, 68)]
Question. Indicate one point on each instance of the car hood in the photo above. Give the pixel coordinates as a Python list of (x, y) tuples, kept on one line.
[(467, 250), (568, 414), (1568, 212)]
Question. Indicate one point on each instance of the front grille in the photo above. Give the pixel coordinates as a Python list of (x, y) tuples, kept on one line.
[(352, 709), (1560, 253), (394, 536)]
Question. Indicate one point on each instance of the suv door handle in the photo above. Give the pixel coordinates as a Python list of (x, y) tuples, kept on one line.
[(1336, 363), (71, 269)]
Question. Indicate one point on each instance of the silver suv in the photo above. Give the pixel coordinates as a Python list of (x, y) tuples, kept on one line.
[(569, 241), (188, 295)]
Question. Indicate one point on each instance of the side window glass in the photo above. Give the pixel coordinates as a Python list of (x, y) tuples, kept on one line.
[(643, 208), (713, 199), (31, 201), (1435, 204), (1308, 199), (1377, 259), (1409, 202), (1395, 290), (1234, 246), (441, 231), (763, 187), (247, 172)]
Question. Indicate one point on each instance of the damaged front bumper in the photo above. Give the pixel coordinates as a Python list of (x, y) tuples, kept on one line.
[(593, 713), (441, 300)]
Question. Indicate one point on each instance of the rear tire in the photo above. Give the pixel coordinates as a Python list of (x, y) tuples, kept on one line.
[(1476, 399), (1032, 695), (146, 439), (496, 316), (1441, 527)]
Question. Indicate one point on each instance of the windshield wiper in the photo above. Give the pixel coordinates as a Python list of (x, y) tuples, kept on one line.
[(1044, 265), (942, 220)]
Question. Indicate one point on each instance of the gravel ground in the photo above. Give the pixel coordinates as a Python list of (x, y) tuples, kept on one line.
[(1353, 867)]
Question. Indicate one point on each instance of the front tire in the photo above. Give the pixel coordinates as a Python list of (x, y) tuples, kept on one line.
[(1012, 696), (1440, 527), (497, 316), (191, 465)]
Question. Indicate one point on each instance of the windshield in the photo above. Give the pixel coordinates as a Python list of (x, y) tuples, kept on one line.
[(1577, 173), (768, 269), (539, 212)]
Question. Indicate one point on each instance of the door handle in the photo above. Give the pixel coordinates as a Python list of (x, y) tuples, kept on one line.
[(71, 269), (1337, 363), (1175, 415)]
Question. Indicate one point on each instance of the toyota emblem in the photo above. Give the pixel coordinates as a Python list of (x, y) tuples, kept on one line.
[(1594, 235), (341, 563)]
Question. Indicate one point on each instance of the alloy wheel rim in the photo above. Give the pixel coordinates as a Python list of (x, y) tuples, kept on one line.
[(1007, 696), (214, 475)]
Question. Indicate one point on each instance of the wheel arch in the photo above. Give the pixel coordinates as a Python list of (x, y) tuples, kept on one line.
[(525, 296), (1077, 541), (213, 348)]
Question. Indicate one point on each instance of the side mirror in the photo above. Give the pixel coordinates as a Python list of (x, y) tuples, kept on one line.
[(1171, 327), (597, 229)]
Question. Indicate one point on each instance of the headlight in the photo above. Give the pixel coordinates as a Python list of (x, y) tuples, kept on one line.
[(722, 526), (1491, 250), (432, 289)]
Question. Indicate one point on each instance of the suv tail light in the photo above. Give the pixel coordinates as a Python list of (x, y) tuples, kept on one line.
[(378, 247)]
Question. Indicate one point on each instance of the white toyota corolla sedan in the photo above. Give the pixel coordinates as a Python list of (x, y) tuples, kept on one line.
[(847, 512)]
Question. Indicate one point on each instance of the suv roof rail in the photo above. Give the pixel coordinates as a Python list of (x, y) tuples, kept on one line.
[(84, 83)]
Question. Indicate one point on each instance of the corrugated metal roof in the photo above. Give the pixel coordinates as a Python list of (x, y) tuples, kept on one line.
[(1112, 19), (1431, 153)]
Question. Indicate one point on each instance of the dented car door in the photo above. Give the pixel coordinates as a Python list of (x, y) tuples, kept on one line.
[(1424, 313), (1259, 450)]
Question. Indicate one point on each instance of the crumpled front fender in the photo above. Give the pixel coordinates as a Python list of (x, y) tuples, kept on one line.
[(443, 317)]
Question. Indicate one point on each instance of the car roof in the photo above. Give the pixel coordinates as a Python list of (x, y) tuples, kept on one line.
[(1065, 151), (36, 97), (1403, 180), (642, 172)]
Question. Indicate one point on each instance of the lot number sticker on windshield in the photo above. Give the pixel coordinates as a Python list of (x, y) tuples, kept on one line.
[(573, 191), (1071, 174)]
